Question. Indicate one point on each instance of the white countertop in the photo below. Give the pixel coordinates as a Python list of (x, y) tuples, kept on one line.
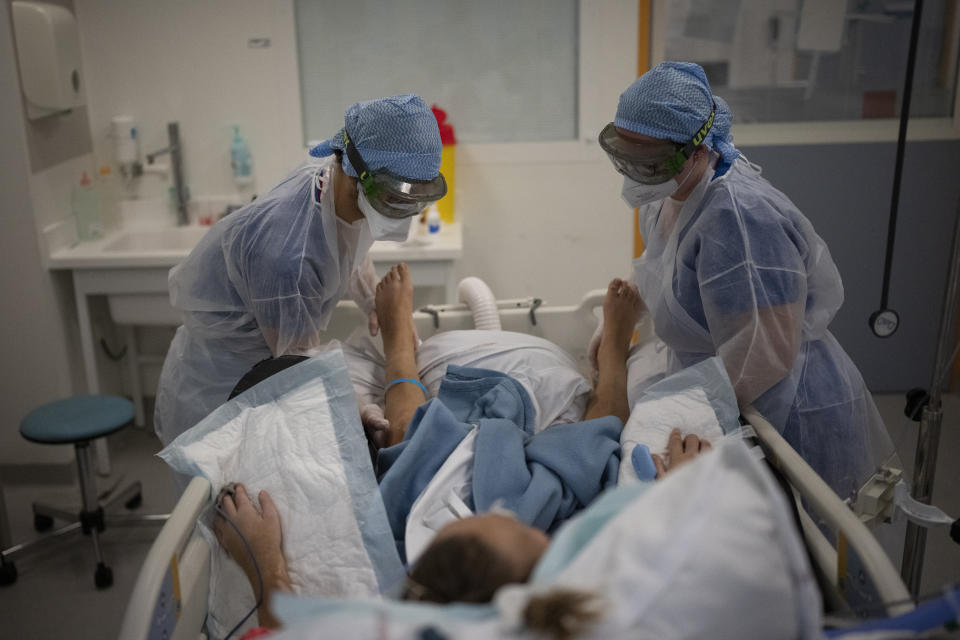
[(169, 246)]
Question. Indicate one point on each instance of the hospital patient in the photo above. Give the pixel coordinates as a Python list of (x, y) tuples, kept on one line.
[(543, 478), (467, 561)]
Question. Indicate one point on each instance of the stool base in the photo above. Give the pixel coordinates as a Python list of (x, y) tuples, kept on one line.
[(97, 521)]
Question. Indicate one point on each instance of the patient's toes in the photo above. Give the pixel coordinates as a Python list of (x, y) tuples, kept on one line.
[(394, 299)]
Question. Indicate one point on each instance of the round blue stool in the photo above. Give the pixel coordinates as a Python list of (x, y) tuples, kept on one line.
[(78, 421)]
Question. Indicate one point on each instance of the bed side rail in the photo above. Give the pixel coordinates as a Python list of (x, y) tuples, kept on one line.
[(811, 487), (173, 580)]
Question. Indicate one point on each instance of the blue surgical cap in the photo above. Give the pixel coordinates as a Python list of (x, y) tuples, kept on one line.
[(398, 133), (672, 101)]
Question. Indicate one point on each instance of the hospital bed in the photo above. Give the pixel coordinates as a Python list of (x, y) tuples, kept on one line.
[(169, 597)]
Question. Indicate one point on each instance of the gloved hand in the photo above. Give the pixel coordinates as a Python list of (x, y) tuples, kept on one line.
[(362, 289), (375, 425), (594, 347)]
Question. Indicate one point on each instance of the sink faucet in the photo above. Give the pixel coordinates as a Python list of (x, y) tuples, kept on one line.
[(176, 167)]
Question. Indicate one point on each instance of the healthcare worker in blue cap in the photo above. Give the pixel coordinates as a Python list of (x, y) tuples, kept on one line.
[(732, 268), (265, 280)]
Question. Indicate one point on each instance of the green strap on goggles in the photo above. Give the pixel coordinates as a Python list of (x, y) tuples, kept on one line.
[(675, 162)]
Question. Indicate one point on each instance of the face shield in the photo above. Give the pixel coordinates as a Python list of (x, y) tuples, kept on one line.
[(651, 163), (392, 195)]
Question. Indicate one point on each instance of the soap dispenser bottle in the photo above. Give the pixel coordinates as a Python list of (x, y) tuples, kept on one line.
[(240, 159)]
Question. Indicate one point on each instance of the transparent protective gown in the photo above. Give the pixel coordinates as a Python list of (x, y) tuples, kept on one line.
[(263, 282), (737, 271)]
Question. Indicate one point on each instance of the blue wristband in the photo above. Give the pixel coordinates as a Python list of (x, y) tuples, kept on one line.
[(411, 380)]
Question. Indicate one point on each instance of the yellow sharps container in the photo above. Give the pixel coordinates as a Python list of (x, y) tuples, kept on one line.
[(447, 163)]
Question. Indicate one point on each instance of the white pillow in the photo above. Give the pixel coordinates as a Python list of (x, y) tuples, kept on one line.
[(711, 551)]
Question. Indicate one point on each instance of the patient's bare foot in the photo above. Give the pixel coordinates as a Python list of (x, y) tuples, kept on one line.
[(622, 307), (394, 302), (621, 310)]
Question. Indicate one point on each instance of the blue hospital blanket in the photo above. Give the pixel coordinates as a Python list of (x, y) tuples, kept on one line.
[(544, 478)]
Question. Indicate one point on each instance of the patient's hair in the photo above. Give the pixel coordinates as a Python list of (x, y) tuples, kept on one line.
[(459, 568), (463, 568)]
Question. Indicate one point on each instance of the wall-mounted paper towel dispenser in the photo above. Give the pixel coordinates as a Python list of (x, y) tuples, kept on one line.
[(48, 52)]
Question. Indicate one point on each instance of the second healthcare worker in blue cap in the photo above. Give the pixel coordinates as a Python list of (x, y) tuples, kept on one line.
[(265, 280), (733, 269)]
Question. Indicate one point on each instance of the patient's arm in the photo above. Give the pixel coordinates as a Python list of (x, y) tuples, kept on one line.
[(394, 303), (263, 533), (621, 308)]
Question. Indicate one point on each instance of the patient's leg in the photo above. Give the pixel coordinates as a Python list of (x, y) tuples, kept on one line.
[(621, 308), (394, 302)]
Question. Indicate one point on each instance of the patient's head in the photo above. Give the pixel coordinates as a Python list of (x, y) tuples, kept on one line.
[(471, 558)]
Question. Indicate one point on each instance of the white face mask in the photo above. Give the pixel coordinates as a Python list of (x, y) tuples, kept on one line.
[(637, 194), (382, 227)]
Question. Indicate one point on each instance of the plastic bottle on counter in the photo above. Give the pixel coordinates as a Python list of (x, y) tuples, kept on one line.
[(433, 219), (86, 207), (240, 160)]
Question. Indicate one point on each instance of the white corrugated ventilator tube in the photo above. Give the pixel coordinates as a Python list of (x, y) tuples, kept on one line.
[(475, 293)]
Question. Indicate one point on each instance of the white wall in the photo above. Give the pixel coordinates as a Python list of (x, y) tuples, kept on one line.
[(189, 61), (34, 331), (540, 219)]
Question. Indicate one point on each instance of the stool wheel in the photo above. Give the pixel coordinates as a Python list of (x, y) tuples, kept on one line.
[(8, 573), (103, 577), (134, 502), (42, 522)]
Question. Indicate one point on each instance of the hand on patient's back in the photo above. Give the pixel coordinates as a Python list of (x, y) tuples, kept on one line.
[(375, 425), (261, 530), (679, 450)]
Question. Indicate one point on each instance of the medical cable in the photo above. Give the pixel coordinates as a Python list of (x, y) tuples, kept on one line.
[(256, 566), (884, 322)]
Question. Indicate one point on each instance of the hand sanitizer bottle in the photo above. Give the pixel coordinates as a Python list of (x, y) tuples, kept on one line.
[(240, 159), (433, 219), (85, 202)]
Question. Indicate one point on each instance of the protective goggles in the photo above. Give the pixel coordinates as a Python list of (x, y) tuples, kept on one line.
[(390, 194), (651, 163)]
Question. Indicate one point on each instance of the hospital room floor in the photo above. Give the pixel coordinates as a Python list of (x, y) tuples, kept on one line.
[(54, 596)]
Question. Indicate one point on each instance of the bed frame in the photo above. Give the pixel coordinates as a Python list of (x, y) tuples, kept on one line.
[(169, 599)]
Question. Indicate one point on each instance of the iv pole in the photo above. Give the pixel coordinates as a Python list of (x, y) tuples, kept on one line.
[(928, 438), (884, 323)]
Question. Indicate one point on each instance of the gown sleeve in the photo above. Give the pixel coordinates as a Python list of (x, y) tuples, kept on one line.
[(752, 285), (278, 267)]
